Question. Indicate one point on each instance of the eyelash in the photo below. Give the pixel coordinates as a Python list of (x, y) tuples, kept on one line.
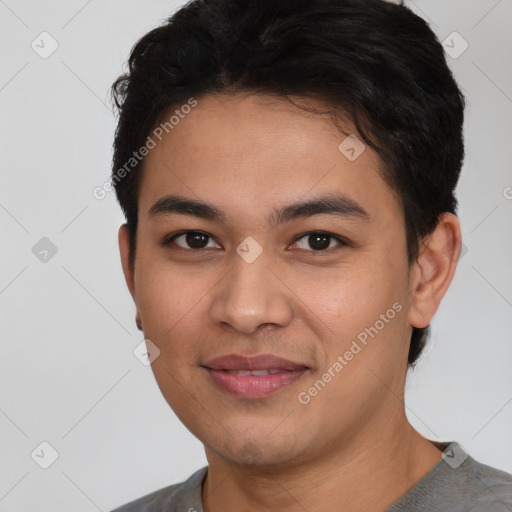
[(168, 240)]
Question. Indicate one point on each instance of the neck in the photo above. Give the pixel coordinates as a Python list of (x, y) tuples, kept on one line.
[(369, 474)]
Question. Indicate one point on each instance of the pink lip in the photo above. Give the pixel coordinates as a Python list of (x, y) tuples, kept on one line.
[(253, 386), (260, 362)]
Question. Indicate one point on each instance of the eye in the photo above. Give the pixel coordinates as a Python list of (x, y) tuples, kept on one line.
[(191, 240), (319, 241)]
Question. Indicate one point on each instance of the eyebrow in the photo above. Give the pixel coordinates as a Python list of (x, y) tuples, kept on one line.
[(339, 205)]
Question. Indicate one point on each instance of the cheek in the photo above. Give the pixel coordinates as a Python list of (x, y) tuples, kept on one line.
[(342, 300), (169, 300), (359, 312)]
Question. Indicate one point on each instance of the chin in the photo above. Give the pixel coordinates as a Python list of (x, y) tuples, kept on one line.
[(258, 453)]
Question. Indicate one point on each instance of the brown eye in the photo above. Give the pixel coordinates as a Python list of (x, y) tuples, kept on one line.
[(319, 241), (196, 240), (192, 240)]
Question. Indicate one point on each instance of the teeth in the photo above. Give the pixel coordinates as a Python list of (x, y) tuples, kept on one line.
[(244, 373), (259, 372)]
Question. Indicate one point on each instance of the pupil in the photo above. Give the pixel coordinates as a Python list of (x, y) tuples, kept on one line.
[(313, 239)]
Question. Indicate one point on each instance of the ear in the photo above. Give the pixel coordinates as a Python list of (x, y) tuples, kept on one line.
[(124, 249), (434, 269)]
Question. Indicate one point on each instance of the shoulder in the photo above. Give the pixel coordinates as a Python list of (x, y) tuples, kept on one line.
[(477, 487), (458, 483), (152, 501), (183, 496), (490, 488)]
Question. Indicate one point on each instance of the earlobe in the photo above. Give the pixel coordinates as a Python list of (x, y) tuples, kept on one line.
[(124, 250), (434, 270)]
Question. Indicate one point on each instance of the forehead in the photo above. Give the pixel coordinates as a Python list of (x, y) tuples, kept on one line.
[(249, 150)]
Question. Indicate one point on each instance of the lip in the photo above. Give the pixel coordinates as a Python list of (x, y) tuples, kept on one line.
[(284, 373), (259, 362)]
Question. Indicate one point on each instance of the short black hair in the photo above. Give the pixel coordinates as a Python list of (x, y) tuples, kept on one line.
[(373, 62)]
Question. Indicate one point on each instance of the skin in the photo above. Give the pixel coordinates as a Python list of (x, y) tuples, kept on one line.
[(352, 443)]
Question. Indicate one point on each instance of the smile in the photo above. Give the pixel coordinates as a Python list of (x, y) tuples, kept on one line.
[(253, 376)]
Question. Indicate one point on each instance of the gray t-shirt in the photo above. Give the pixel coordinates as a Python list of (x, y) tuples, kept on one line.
[(457, 483)]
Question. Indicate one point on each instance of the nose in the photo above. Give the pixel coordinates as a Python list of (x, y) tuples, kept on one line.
[(252, 295)]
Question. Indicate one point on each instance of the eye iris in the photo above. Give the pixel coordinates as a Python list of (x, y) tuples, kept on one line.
[(314, 238), (194, 240)]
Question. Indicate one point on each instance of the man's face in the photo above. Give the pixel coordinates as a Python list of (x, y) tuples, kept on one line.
[(306, 298)]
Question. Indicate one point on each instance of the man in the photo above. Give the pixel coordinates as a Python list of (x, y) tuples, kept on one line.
[(287, 172)]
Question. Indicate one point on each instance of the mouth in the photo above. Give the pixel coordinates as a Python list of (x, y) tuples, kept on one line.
[(253, 377)]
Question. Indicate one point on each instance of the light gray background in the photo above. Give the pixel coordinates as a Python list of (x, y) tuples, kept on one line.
[(68, 374)]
